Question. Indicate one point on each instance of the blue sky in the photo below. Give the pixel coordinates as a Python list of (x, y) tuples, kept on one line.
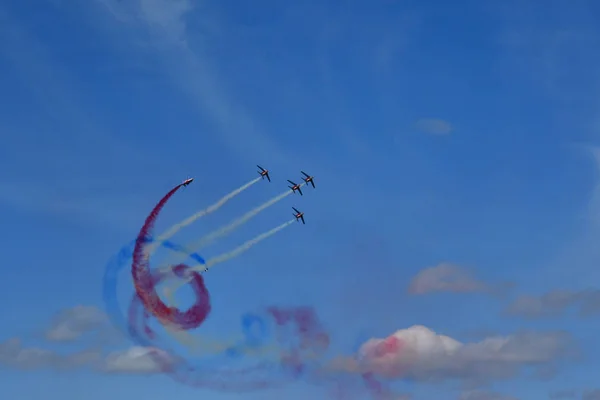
[(448, 140)]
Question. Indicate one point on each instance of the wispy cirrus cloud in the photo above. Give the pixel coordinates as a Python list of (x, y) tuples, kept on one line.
[(554, 45), (195, 42), (14, 355), (434, 126), (133, 360), (556, 303), (62, 161), (96, 207), (73, 326), (162, 26), (451, 278)]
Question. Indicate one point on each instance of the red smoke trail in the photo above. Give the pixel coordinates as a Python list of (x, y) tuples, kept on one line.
[(376, 388), (144, 282), (299, 333), (234, 380), (199, 310)]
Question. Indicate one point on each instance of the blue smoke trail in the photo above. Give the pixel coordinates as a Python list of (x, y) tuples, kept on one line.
[(254, 328), (110, 280)]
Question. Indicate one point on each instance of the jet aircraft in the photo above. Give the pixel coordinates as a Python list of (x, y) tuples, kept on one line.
[(308, 178), (264, 172), (187, 181), (299, 215), (295, 187)]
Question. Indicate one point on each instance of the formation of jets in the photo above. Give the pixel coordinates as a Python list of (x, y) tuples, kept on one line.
[(295, 187)]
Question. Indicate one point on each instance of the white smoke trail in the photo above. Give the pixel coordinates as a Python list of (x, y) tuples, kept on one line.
[(241, 249), (210, 209), (204, 241), (225, 230), (170, 291)]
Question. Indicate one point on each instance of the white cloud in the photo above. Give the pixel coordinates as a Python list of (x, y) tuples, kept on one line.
[(421, 354), (134, 360), (416, 353), (445, 277), (137, 360), (71, 324), (434, 126), (14, 355), (555, 303)]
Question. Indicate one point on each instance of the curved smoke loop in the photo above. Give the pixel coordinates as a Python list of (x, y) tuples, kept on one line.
[(295, 333)]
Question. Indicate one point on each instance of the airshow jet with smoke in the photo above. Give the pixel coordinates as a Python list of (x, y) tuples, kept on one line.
[(295, 187), (308, 179), (263, 172), (299, 215)]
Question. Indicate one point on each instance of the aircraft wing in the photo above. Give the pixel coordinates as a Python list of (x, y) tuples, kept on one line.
[(291, 182), (261, 168), (295, 209), (300, 190), (305, 174), (302, 218), (269, 179)]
